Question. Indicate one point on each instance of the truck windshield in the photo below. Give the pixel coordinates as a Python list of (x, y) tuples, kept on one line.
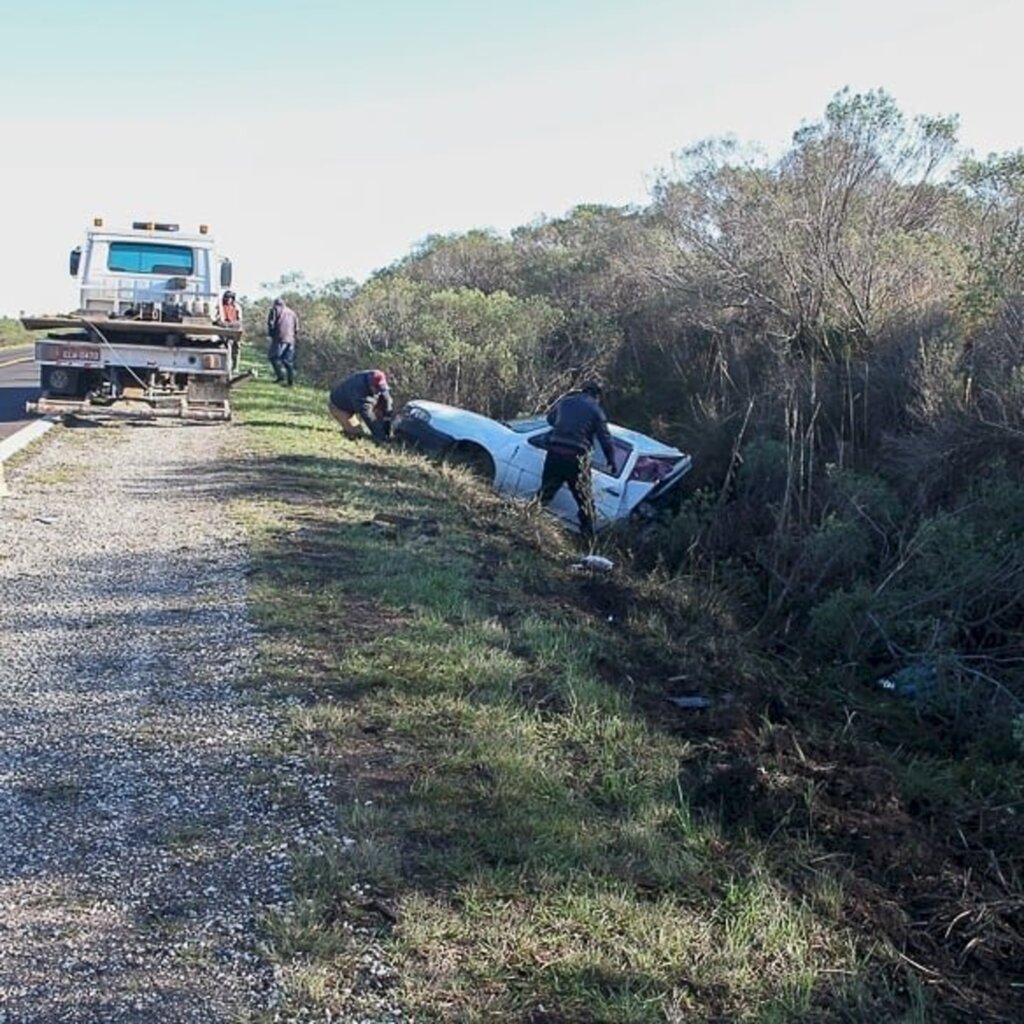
[(145, 258)]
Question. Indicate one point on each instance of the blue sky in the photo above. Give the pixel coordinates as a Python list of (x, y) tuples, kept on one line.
[(328, 137)]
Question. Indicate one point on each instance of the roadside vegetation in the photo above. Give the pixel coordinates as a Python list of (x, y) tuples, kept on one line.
[(12, 333), (529, 828), (836, 337)]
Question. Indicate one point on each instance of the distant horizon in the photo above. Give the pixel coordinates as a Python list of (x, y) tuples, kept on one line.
[(336, 138)]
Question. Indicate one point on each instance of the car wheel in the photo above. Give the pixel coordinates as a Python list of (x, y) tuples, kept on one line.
[(474, 458)]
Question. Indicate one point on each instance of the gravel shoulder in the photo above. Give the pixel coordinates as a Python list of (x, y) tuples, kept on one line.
[(140, 791)]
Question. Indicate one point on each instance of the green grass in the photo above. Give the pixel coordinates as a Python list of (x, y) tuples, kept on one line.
[(13, 334), (526, 832)]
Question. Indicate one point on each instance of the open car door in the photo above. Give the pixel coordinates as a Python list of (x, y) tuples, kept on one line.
[(607, 481)]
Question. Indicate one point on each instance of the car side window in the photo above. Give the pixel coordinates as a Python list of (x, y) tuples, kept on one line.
[(597, 459)]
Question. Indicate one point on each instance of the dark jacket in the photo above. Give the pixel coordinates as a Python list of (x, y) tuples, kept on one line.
[(357, 393), (578, 418), (282, 324)]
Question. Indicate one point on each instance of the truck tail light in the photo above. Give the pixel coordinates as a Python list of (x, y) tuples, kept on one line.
[(213, 362)]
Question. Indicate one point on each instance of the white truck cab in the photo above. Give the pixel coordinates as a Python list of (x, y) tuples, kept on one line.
[(151, 272)]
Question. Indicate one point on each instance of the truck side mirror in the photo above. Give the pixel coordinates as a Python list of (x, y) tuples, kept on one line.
[(74, 259), (225, 273)]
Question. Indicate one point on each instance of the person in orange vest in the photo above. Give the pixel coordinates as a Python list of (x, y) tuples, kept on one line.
[(230, 312), (231, 316)]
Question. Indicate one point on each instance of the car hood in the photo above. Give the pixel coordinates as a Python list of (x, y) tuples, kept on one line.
[(461, 424), (441, 413)]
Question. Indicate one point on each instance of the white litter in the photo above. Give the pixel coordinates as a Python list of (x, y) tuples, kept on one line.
[(595, 562)]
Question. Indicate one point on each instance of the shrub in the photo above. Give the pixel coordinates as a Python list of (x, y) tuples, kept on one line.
[(838, 624)]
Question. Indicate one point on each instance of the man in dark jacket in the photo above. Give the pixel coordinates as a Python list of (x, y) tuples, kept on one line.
[(361, 403), (282, 329), (578, 419)]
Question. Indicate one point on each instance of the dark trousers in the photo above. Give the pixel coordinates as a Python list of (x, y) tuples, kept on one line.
[(574, 471), (282, 359)]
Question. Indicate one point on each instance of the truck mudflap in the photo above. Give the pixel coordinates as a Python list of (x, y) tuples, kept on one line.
[(127, 409)]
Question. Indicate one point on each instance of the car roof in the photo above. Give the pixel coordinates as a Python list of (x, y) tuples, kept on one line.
[(530, 424), (641, 442)]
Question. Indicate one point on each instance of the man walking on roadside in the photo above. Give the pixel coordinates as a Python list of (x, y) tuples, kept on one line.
[(282, 329), (577, 418), (362, 402)]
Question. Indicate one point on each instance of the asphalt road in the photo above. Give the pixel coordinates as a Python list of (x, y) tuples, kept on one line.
[(19, 382)]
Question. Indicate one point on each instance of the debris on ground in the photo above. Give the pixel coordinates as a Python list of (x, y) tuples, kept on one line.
[(694, 703), (914, 681), (598, 562)]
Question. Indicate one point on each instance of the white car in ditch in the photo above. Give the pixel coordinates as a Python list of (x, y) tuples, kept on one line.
[(510, 455)]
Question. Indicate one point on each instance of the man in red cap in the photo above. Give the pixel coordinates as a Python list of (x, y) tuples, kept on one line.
[(362, 404)]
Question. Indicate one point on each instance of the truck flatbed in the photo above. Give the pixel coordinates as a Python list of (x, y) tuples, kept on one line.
[(114, 325)]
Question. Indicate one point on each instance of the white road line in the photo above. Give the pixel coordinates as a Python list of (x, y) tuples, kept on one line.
[(22, 437)]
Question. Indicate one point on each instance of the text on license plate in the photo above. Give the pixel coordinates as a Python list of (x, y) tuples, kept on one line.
[(79, 354)]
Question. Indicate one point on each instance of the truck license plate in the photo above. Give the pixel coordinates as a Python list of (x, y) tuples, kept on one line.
[(79, 355)]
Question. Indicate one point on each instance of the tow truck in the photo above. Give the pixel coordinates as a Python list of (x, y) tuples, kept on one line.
[(147, 339)]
